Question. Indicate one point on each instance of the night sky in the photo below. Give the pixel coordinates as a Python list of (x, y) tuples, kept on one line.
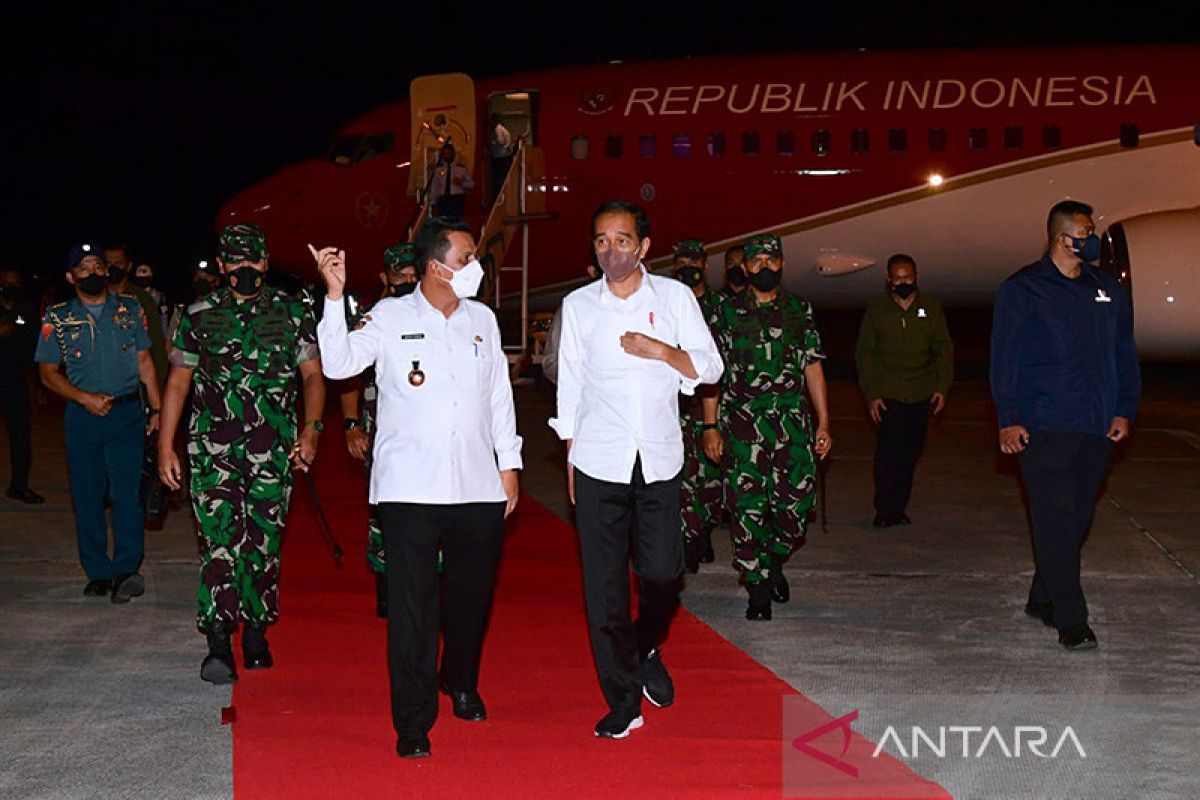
[(135, 124)]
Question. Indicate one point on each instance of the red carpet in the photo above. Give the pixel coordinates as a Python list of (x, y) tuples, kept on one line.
[(318, 724)]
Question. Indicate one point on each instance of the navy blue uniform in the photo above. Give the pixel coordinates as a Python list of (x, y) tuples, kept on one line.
[(1064, 365), (100, 346)]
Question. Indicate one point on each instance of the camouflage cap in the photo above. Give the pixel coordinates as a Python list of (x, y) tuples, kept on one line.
[(763, 243), (689, 248), (399, 256), (242, 241)]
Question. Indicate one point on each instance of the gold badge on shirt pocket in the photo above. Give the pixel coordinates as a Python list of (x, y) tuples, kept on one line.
[(415, 376)]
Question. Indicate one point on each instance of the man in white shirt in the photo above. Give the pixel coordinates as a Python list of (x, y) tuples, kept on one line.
[(630, 343), (451, 477), (449, 184)]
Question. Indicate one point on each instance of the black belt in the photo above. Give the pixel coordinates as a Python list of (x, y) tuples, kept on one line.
[(128, 397)]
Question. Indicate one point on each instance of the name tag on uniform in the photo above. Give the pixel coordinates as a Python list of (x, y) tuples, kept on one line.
[(412, 336), (1101, 297), (921, 313)]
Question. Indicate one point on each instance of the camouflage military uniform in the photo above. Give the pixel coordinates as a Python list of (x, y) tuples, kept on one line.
[(771, 486), (243, 423), (701, 489)]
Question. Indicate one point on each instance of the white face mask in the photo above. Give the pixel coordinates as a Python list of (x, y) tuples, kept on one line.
[(465, 282)]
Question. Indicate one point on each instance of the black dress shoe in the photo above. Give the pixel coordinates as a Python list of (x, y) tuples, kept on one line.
[(759, 607), (883, 520), (1078, 637), (1041, 611), (413, 747), (467, 705), (96, 588), (128, 586), (901, 519), (707, 556), (25, 495), (780, 591)]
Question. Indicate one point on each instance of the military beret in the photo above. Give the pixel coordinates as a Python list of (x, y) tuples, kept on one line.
[(690, 248), (764, 243), (242, 241), (400, 255), (81, 251)]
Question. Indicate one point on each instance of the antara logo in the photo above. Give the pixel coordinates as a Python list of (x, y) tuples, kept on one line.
[(1028, 738)]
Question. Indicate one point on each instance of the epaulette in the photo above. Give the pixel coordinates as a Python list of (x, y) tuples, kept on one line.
[(198, 306), (58, 306), (126, 296)]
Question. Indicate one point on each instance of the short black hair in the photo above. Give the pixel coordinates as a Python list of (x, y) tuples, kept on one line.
[(113, 246), (433, 239), (900, 258), (1064, 210), (640, 220)]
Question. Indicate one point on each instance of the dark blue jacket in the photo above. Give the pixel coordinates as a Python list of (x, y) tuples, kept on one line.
[(1063, 356)]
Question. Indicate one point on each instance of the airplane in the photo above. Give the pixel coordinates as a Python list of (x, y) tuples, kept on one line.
[(952, 156)]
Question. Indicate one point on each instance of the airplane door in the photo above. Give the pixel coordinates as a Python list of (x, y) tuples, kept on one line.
[(443, 110)]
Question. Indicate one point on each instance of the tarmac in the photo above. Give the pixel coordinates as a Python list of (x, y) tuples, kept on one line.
[(100, 700)]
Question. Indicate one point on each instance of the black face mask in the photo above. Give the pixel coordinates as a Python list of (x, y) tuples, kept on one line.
[(403, 289), (116, 275), (904, 290), (766, 279), (246, 281), (92, 285), (201, 287), (690, 276), (143, 281), (736, 276)]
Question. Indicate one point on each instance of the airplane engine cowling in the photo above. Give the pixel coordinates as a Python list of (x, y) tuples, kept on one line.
[(1157, 256)]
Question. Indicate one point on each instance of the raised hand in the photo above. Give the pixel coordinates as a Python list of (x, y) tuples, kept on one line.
[(331, 264)]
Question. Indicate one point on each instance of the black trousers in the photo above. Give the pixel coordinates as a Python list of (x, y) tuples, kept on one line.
[(14, 405), (1063, 473), (898, 443), (471, 536), (613, 519)]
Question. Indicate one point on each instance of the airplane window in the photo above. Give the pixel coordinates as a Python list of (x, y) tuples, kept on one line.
[(785, 143), (681, 145), (897, 140), (343, 149), (821, 141), (860, 141), (750, 143), (716, 144), (1051, 137), (1129, 135), (1014, 137), (579, 148), (977, 139), (937, 140), (648, 145), (376, 144), (614, 146)]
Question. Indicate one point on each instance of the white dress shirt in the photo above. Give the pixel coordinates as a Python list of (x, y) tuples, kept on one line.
[(615, 406), (444, 439)]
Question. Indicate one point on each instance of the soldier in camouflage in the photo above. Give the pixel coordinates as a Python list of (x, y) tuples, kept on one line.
[(772, 351), (360, 403), (239, 349), (700, 493)]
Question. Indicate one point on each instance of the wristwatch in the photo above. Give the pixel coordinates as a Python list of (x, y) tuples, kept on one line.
[(708, 426), (152, 411), (349, 423), (316, 425)]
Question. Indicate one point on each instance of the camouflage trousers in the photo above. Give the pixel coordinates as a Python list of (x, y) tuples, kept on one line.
[(240, 500), (376, 554), (701, 492), (770, 488)]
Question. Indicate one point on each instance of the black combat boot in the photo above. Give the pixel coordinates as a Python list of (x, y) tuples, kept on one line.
[(381, 604), (255, 653), (218, 666), (707, 556), (780, 591), (760, 601)]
